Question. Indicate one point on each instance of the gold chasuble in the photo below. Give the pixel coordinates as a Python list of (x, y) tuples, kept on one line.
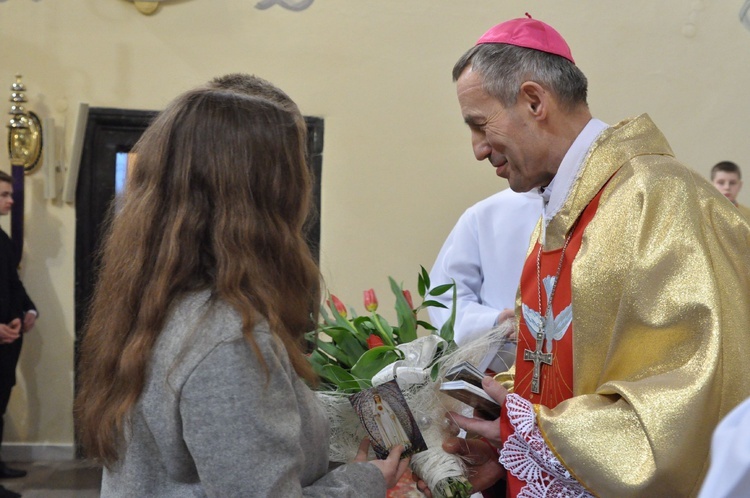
[(654, 297)]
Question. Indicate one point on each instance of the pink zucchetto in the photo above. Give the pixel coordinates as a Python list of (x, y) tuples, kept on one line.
[(528, 33)]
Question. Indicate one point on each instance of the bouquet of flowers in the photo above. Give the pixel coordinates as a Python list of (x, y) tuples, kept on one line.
[(353, 353)]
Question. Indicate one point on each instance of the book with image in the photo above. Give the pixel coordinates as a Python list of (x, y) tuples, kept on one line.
[(467, 372), (473, 396), (388, 420)]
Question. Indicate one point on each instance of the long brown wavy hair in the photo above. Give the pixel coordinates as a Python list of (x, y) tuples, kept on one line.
[(216, 200)]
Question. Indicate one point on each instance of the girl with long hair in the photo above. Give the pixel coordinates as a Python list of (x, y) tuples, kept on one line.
[(193, 380)]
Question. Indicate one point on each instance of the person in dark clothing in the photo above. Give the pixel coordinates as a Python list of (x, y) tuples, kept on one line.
[(17, 316)]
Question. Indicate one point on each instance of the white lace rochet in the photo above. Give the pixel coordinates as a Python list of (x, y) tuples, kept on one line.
[(527, 456)]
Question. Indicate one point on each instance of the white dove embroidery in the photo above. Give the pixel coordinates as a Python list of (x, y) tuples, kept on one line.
[(554, 326)]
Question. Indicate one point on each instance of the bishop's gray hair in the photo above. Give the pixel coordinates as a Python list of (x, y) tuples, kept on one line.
[(504, 68)]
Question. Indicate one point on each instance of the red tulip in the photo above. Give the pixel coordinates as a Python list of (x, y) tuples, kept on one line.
[(374, 341), (338, 304), (407, 296), (371, 302)]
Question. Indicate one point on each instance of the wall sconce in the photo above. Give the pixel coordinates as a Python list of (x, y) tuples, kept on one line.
[(24, 131)]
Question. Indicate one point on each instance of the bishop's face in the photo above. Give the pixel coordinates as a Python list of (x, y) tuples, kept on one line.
[(508, 137), (6, 197)]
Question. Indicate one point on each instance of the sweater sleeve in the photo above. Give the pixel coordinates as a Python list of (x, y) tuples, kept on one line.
[(242, 426)]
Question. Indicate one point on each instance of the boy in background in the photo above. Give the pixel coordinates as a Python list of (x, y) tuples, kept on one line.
[(727, 177)]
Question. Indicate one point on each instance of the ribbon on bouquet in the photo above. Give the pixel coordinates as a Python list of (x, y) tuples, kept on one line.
[(418, 355)]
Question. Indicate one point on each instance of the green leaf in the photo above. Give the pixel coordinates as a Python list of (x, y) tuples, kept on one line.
[(342, 322), (426, 325), (346, 342), (375, 360), (342, 379), (448, 347), (364, 326), (433, 304), (338, 354), (423, 282), (407, 322), (383, 330), (359, 320), (326, 318), (446, 331), (318, 368), (318, 358), (441, 289), (320, 364), (434, 372), (425, 276)]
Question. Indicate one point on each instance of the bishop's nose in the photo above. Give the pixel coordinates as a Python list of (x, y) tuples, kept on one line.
[(482, 149)]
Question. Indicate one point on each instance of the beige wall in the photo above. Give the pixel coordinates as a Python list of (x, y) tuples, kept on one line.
[(398, 169)]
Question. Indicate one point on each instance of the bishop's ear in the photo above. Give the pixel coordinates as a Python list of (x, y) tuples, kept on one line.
[(535, 98)]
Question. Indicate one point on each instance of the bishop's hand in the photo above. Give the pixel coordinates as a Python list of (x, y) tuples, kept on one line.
[(476, 426), (482, 466)]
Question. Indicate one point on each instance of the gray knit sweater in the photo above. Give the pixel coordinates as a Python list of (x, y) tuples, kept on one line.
[(211, 423)]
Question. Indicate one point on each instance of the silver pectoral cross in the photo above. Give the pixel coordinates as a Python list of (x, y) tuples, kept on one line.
[(538, 358)]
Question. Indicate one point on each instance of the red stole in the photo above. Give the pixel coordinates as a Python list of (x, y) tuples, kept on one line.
[(557, 379)]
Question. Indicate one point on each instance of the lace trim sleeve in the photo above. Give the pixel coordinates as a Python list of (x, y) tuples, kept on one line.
[(526, 455)]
